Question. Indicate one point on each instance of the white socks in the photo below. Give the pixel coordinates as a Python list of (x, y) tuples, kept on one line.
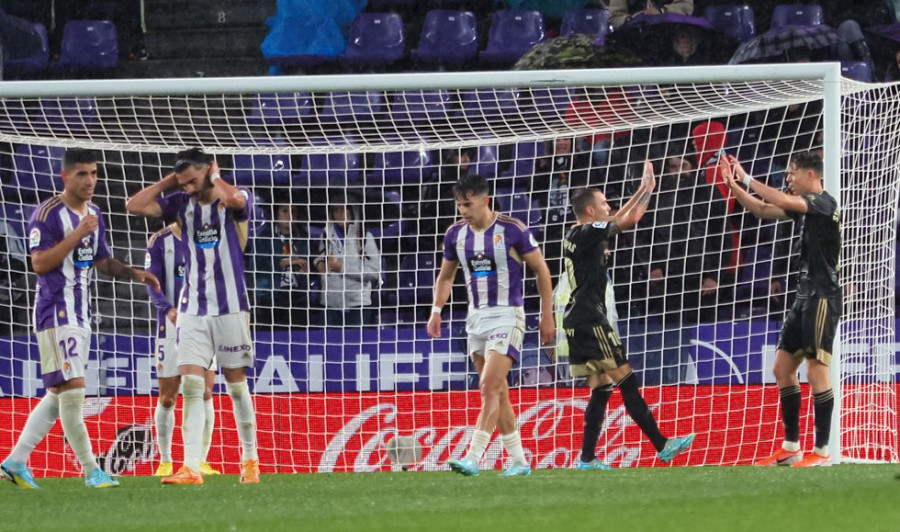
[(513, 445), (39, 423), (790, 446), (478, 444), (244, 417), (208, 427), (71, 413), (193, 419), (165, 425)]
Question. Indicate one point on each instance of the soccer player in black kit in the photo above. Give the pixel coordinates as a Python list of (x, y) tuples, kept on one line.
[(595, 350), (810, 325)]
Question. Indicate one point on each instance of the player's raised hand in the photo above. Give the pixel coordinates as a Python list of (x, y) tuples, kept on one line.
[(725, 170), (648, 181), (87, 225), (434, 325)]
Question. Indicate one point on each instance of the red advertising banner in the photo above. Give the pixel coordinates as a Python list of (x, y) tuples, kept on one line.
[(347, 432)]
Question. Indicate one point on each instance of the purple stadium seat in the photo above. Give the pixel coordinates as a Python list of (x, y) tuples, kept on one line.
[(484, 163), (89, 45), (330, 170), (35, 63), (262, 169), (858, 70), (342, 106), (421, 106), (400, 167), (797, 15), (524, 156), (67, 115), (375, 39), (551, 102), (416, 278), (281, 108), (36, 173), (590, 21), (513, 32), (448, 37), (489, 105), (735, 20)]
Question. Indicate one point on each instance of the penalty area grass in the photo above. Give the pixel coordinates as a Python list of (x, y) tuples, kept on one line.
[(695, 499)]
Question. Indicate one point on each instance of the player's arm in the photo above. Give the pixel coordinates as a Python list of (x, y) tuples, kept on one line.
[(144, 202), (44, 261), (443, 285), (227, 193), (537, 264), (732, 171), (630, 213), (119, 270), (155, 265)]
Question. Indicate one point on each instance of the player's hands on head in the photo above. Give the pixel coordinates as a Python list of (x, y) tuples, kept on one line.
[(434, 325), (213, 168), (87, 225)]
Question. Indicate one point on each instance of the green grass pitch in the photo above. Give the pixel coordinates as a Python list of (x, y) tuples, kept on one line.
[(855, 498)]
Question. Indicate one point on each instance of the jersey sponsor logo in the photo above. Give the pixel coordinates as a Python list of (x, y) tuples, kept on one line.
[(148, 260), (233, 348), (83, 256), (34, 239), (179, 272), (482, 265), (206, 237), (600, 225)]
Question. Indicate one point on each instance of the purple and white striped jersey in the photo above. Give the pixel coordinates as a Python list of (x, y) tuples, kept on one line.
[(63, 294), (491, 260), (166, 260), (214, 273)]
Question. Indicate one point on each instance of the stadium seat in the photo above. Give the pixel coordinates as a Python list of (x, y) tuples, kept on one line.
[(360, 106), (513, 32), (858, 70), (36, 173), (489, 105), (735, 20), (330, 170), (416, 278), (525, 155), (431, 105), (551, 102), (448, 37), (797, 15), (281, 108), (89, 45), (262, 169), (401, 167), (33, 64), (375, 39), (484, 163), (590, 21), (67, 115)]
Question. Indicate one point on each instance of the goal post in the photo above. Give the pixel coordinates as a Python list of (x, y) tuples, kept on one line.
[(344, 365)]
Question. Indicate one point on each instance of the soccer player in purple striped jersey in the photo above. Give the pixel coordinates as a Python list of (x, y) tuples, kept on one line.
[(166, 260), (213, 322), (491, 247), (67, 241)]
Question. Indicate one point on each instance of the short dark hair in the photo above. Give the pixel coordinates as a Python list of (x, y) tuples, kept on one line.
[(581, 199), (809, 160), (195, 157), (471, 185), (75, 156)]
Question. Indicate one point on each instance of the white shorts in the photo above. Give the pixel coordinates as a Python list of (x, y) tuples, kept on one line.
[(166, 353), (498, 329), (64, 353), (205, 340)]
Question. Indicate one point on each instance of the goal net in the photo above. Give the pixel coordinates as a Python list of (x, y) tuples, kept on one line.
[(343, 362)]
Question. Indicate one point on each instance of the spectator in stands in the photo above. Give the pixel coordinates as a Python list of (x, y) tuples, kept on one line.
[(282, 269), (351, 264), (558, 172), (621, 11), (893, 70), (685, 44)]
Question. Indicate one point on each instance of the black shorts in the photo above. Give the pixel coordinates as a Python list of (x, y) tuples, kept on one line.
[(594, 349), (810, 326)]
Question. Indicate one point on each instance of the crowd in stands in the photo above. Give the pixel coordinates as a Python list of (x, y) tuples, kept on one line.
[(695, 258)]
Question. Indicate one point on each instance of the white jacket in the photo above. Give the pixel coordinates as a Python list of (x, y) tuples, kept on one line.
[(361, 267)]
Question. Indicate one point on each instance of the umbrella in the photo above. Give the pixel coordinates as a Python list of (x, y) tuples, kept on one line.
[(651, 37), (775, 44), (576, 50)]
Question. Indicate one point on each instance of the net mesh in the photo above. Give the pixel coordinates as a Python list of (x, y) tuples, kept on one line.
[(333, 386)]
